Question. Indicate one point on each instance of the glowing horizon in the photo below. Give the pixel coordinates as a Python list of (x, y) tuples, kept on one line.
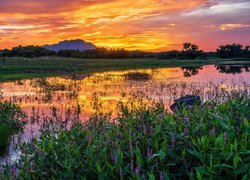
[(150, 25)]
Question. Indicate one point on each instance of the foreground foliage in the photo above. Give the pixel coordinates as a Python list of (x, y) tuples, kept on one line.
[(12, 120), (206, 142)]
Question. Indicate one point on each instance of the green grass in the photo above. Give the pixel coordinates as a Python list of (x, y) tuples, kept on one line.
[(24, 68)]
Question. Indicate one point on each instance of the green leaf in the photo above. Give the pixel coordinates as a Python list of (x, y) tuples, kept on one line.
[(243, 169)]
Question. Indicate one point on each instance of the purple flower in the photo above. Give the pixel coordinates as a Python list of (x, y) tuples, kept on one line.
[(185, 131), (186, 119), (12, 172), (161, 176), (108, 141), (121, 173), (149, 152), (225, 138), (151, 131), (137, 170), (144, 130)]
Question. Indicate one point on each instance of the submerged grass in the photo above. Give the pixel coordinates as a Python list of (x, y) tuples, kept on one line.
[(146, 143), (23, 68)]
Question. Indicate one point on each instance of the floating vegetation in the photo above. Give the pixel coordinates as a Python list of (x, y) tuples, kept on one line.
[(138, 76)]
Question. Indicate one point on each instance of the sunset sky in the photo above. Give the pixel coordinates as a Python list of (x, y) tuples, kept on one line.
[(151, 25)]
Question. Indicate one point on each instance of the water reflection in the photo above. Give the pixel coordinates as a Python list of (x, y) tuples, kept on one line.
[(191, 70), (232, 69)]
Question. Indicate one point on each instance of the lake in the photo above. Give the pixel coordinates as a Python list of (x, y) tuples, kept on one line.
[(81, 96)]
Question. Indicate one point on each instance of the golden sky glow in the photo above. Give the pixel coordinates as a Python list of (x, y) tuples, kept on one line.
[(151, 25)]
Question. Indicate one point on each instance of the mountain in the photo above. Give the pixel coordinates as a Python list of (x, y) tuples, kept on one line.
[(76, 44)]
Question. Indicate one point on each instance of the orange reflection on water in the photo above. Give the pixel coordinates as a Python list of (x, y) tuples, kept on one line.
[(102, 92)]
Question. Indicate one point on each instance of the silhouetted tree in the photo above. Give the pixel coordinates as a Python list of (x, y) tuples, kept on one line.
[(232, 51), (191, 51)]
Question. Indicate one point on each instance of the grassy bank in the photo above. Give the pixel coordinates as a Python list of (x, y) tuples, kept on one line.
[(23, 68), (209, 142)]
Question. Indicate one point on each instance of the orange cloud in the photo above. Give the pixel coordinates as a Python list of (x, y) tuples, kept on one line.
[(151, 25)]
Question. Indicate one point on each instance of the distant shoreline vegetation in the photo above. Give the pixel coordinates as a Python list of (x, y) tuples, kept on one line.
[(189, 51)]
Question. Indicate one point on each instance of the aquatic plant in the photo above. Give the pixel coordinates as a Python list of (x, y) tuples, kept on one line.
[(138, 76), (12, 120), (147, 143)]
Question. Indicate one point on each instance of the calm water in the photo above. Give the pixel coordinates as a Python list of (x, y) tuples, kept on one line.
[(87, 94)]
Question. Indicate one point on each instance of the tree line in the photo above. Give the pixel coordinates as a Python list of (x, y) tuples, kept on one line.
[(189, 51)]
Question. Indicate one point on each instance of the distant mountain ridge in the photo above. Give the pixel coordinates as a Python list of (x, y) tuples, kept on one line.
[(76, 44)]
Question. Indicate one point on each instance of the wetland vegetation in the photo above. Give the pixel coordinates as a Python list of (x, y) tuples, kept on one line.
[(117, 124)]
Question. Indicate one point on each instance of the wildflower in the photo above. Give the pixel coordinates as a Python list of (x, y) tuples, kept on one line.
[(108, 141), (161, 175), (225, 138), (186, 119), (149, 152), (121, 173), (185, 131), (144, 130), (151, 131), (137, 170), (12, 172)]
